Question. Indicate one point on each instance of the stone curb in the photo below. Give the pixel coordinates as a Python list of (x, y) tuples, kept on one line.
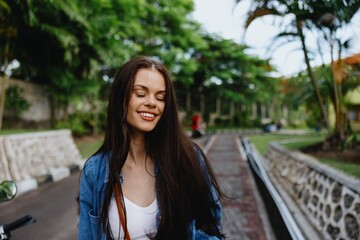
[(55, 174)]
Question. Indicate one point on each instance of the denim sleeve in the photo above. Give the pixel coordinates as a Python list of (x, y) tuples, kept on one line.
[(88, 224), (217, 211)]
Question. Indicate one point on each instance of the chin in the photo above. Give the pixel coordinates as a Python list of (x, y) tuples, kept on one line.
[(147, 129)]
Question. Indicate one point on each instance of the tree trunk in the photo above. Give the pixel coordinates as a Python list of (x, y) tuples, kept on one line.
[(337, 76), (202, 101), (188, 100), (232, 110), (4, 79), (52, 112), (66, 113), (312, 77), (218, 106), (254, 110), (4, 83)]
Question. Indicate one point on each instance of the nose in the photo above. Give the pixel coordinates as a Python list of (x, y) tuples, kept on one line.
[(150, 101)]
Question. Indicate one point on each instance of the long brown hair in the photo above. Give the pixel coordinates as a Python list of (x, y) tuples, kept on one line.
[(183, 190)]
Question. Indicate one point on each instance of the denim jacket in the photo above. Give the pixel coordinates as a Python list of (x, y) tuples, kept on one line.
[(94, 177)]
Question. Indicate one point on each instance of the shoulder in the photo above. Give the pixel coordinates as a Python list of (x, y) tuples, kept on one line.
[(93, 165), (201, 157)]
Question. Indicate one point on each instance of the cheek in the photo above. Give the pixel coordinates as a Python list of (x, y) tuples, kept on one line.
[(132, 106), (162, 107), (133, 103)]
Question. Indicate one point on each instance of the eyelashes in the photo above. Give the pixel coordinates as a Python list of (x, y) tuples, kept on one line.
[(142, 95)]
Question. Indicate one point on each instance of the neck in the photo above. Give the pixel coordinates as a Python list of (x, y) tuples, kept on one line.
[(137, 152)]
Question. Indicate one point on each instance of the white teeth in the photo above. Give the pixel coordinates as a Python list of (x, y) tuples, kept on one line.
[(147, 114)]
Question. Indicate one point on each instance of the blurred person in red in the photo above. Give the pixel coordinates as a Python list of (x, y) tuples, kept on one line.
[(197, 126)]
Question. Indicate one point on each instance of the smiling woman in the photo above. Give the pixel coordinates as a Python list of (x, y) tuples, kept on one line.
[(148, 180), (147, 100)]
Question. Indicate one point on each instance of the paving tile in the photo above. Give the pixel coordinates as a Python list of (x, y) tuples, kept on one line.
[(241, 220)]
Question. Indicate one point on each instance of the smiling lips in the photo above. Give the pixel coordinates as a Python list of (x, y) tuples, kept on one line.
[(147, 115)]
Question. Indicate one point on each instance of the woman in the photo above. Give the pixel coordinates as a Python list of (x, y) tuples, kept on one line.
[(166, 186)]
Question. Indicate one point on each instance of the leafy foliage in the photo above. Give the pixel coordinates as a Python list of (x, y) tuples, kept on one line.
[(74, 48), (328, 16), (15, 102), (235, 75)]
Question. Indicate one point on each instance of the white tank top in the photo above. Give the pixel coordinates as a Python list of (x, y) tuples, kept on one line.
[(140, 220)]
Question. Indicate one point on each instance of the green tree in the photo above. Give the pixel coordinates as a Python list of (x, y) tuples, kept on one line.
[(226, 72), (71, 45), (56, 45), (301, 12), (297, 92), (307, 14), (331, 26)]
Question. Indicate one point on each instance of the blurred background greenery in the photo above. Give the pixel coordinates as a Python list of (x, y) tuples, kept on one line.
[(71, 50)]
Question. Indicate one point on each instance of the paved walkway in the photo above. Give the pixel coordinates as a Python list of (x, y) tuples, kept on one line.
[(244, 217)]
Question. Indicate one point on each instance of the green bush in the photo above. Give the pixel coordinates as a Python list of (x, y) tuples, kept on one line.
[(83, 123), (352, 141), (245, 120), (79, 123), (222, 122), (313, 119), (15, 102), (75, 125)]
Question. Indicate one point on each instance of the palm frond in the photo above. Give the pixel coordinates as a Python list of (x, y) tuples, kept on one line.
[(71, 9), (4, 6), (66, 39), (348, 43), (280, 39), (260, 12)]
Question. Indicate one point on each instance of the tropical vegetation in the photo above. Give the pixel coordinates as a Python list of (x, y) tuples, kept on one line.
[(74, 47), (326, 21)]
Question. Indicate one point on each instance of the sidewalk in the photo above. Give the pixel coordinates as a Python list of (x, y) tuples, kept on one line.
[(244, 218)]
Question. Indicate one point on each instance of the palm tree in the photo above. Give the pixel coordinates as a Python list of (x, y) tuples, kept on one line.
[(330, 26), (300, 16), (305, 13)]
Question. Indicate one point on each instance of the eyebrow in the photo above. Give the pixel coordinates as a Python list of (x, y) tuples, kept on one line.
[(147, 89)]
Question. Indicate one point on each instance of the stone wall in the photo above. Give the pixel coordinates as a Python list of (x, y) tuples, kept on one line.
[(32, 158), (329, 199), (39, 113), (37, 97)]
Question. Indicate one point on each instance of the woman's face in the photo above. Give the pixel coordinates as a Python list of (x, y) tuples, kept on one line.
[(147, 101)]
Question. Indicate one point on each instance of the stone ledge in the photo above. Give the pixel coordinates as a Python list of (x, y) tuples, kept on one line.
[(328, 198), (33, 159), (333, 173)]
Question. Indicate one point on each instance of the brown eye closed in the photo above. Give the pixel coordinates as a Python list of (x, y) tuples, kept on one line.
[(160, 98), (140, 94)]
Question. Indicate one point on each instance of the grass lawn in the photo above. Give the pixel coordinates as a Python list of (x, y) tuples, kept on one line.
[(88, 146), (349, 168), (86, 150), (261, 141), (303, 143)]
